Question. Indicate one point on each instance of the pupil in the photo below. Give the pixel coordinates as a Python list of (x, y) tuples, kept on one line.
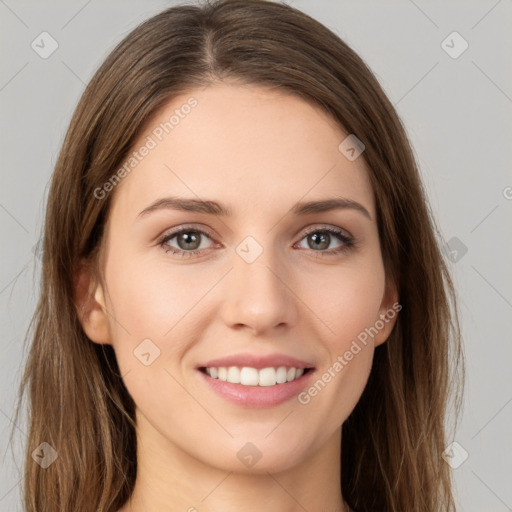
[(189, 238), (323, 236)]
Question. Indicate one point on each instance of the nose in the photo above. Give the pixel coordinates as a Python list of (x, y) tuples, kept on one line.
[(259, 296)]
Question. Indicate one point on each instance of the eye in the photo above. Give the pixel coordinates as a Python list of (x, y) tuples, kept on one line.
[(319, 239), (189, 241)]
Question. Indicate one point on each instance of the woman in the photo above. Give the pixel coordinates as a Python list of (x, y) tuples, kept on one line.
[(243, 305)]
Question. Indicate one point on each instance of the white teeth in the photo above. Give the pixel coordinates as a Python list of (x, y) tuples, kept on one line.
[(267, 377), (248, 376), (233, 375), (281, 375)]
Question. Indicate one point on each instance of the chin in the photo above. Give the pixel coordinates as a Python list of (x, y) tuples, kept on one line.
[(259, 457)]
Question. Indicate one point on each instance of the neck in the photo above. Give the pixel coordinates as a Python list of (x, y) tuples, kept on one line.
[(171, 480)]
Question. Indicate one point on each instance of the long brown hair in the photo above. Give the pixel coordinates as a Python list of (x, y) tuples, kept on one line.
[(393, 440)]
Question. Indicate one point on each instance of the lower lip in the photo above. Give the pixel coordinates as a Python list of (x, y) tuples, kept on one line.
[(258, 396)]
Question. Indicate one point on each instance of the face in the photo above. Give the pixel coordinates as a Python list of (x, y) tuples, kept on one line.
[(266, 282)]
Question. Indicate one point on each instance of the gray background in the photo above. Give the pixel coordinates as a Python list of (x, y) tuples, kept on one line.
[(457, 112)]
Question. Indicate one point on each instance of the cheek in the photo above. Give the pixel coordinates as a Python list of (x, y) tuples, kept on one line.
[(148, 298), (156, 310), (151, 329), (348, 303), (347, 300)]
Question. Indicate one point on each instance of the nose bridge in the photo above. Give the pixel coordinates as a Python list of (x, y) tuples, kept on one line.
[(257, 295)]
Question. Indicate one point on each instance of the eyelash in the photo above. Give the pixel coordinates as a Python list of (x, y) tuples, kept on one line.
[(348, 241)]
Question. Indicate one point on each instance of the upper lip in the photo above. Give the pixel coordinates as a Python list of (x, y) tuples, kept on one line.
[(257, 361)]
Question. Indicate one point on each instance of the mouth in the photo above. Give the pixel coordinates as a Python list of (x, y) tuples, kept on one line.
[(255, 377), (256, 388)]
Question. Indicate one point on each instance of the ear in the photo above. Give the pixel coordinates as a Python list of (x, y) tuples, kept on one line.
[(388, 313), (90, 305)]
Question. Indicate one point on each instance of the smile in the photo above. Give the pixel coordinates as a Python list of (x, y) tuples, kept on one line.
[(248, 376), (255, 388)]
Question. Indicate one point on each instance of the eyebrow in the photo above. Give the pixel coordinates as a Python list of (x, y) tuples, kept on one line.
[(215, 208)]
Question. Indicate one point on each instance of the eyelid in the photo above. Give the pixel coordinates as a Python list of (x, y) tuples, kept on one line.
[(184, 227), (207, 231), (328, 227), (347, 240)]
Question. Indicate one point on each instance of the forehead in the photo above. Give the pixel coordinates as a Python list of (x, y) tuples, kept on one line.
[(248, 145)]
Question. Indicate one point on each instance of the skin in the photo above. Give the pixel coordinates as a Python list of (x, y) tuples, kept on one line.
[(258, 152)]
